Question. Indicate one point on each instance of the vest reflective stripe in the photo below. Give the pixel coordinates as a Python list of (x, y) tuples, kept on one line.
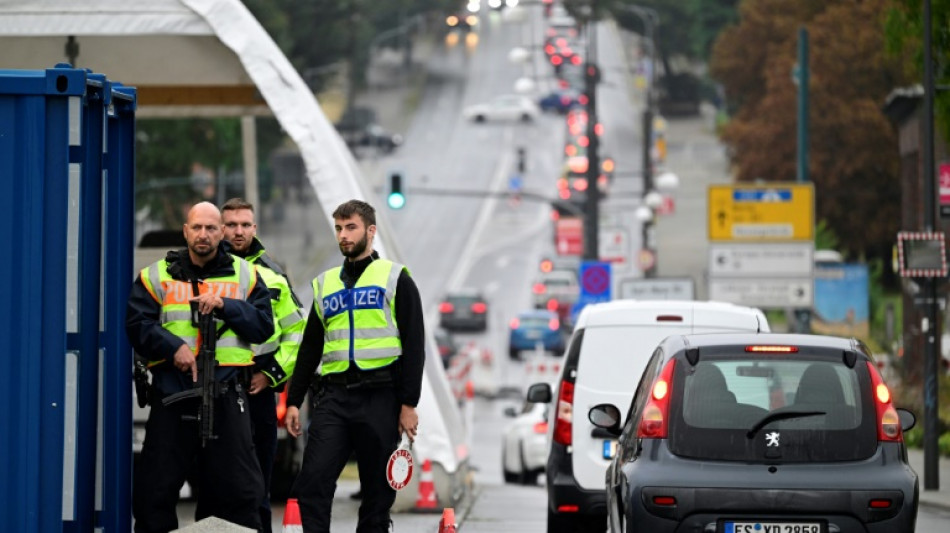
[(289, 322), (174, 297), (359, 323)]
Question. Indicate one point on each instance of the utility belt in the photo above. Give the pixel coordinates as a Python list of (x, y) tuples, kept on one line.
[(354, 378)]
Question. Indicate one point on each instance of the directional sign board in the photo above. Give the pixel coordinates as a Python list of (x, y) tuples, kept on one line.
[(761, 259), (775, 212), (656, 289), (763, 292)]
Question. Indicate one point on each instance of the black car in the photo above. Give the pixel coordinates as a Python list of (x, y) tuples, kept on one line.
[(463, 310), (734, 433)]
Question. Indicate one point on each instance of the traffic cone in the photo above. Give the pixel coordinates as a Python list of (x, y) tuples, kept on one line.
[(447, 523), (426, 502), (292, 523)]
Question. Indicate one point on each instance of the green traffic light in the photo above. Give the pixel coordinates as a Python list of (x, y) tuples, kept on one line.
[(396, 200)]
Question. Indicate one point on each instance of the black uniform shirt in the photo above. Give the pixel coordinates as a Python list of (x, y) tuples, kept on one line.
[(408, 314), (251, 319)]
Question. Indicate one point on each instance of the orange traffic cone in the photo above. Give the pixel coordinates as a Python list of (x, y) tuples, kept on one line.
[(292, 523), (447, 523), (426, 502)]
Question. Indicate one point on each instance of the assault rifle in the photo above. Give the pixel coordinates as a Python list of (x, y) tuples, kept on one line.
[(206, 388)]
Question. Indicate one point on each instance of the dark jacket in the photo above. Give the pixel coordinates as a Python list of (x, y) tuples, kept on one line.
[(408, 314), (250, 319)]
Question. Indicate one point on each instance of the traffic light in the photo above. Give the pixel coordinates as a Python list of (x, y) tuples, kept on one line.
[(396, 199), (546, 265)]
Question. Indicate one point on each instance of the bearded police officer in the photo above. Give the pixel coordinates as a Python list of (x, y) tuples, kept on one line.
[(161, 323), (365, 330)]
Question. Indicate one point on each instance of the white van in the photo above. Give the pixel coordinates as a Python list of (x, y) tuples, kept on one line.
[(609, 349)]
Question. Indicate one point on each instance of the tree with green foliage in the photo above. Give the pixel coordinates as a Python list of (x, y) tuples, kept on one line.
[(854, 161), (905, 36)]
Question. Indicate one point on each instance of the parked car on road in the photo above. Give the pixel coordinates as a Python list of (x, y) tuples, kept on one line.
[(464, 310), (744, 432), (608, 351), (561, 101), (506, 107), (532, 328), (524, 445)]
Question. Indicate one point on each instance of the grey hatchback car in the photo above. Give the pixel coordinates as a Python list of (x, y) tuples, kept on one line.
[(760, 433)]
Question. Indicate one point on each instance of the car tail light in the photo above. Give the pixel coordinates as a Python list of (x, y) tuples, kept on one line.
[(654, 422), (539, 288), (879, 503), (446, 307), (556, 60), (580, 185), (561, 184), (583, 141), (771, 349), (564, 194), (479, 308), (669, 318), (554, 324), (666, 501), (569, 508), (552, 305), (541, 428), (570, 150), (565, 100), (561, 42), (565, 414), (515, 323), (582, 99), (576, 60), (549, 49), (889, 424)]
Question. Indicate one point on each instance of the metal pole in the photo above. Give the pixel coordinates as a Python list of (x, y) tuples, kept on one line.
[(591, 204), (803, 76), (931, 470)]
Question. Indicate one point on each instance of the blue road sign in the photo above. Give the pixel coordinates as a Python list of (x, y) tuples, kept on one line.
[(594, 285)]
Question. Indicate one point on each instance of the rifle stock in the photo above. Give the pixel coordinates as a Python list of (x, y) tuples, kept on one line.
[(206, 388)]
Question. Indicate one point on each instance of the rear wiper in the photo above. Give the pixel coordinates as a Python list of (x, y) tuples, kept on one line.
[(772, 417)]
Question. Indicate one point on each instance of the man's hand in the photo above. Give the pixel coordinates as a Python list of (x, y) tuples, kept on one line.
[(185, 361), (208, 302), (408, 422), (292, 421), (259, 382)]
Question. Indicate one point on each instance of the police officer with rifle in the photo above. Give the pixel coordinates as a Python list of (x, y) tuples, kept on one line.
[(208, 428)]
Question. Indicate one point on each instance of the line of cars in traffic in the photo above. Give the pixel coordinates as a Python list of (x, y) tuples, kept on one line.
[(693, 416)]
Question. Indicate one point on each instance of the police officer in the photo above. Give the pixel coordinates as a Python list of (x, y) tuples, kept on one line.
[(161, 323), (274, 360), (365, 329)]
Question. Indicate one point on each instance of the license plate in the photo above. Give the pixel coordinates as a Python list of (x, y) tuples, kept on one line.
[(610, 449), (533, 334), (772, 527)]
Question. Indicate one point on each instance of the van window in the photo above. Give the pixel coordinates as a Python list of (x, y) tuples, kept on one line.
[(613, 357), (821, 410)]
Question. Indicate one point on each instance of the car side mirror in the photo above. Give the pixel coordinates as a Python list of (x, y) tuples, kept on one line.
[(539, 393), (907, 418), (605, 416), (510, 412)]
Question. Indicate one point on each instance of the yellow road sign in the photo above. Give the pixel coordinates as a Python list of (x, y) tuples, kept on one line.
[(773, 212)]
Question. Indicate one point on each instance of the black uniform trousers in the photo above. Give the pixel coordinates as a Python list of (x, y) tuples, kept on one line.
[(229, 479), (264, 428), (364, 420)]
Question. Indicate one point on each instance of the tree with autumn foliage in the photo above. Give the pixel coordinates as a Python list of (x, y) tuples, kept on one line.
[(853, 151)]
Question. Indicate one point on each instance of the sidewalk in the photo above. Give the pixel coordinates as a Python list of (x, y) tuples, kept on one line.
[(932, 498)]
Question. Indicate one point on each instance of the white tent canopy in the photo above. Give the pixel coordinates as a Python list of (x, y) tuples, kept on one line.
[(212, 58)]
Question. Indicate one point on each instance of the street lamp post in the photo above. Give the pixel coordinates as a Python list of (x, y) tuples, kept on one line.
[(592, 201), (651, 22)]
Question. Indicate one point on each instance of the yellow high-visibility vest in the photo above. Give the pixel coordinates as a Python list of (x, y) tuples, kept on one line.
[(359, 324), (174, 296)]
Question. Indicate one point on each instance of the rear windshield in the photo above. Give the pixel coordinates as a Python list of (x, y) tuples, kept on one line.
[(779, 409), (534, 322)]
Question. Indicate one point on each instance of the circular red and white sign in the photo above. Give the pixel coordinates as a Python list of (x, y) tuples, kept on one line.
[(399, 468)]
